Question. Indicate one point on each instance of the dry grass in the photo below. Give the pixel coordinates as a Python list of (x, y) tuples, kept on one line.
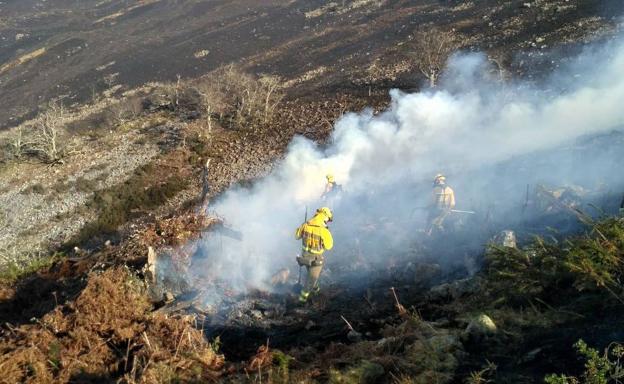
[(23, 59), (176, 231), (108, 333)]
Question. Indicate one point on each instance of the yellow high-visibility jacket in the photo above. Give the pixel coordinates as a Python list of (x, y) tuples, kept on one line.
[(443, 197), (329, 187), (315, 237)]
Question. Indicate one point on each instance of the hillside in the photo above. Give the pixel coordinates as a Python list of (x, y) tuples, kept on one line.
[(78, 49), (158, 155)]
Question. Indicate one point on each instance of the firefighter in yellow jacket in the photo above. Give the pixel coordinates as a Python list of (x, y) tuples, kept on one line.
[(315, 239), (443, 203)]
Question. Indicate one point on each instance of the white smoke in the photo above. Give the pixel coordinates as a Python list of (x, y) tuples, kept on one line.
[(386, 162)]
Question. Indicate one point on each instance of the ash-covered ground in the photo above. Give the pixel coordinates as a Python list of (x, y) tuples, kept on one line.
[(524, 121)]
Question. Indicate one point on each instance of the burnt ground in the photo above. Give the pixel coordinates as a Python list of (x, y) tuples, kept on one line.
[(78, 49), (326, 53), (167, 185)]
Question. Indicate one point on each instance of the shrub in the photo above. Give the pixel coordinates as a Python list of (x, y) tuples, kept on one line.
[(590, 262), (239, 99), (599, 369), (431, 48), (48, 131)]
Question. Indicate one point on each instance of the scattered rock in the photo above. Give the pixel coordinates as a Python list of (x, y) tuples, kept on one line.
[(354, 336), (506, 238), (440, 353), (480, 327), (280, 277), (454, 290), (256, 314), (530, 356)]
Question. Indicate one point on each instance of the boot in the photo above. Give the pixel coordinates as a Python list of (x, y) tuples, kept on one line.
[(303, 297)]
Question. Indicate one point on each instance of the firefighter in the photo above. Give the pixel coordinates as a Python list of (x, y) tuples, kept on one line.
[(331, 188), (443, 203), (315, 239)]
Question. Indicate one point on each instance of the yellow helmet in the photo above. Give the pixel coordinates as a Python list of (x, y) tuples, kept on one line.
[(439, 178), (325, 212), (330, 178)]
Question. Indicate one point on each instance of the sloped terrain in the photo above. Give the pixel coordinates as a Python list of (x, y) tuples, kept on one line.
[(78, 299), (76, 49)]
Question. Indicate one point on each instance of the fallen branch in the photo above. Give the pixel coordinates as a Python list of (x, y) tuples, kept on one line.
[(353, 335), (347, 322)]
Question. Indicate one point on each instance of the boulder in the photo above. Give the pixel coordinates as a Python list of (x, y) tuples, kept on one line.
[(453, 290), (480, 327), (506, 238)]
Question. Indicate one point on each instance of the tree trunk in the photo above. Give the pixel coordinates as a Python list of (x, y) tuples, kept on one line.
[(433, 77), (205, 188)]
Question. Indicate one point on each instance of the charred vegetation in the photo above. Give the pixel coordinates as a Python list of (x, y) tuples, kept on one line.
[(121, 268)]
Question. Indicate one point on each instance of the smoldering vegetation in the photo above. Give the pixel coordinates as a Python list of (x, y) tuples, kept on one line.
[(513, 322), (510, 151)]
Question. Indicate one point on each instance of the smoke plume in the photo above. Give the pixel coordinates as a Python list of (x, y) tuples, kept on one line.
[(491, 139)]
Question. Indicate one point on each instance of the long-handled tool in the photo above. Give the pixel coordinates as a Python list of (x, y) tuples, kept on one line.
[(298, 287), (466, 212)]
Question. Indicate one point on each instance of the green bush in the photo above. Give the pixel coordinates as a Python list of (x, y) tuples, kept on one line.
[(599, 369), (590, 262)]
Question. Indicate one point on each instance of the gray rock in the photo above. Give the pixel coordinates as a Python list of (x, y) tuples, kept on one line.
[(454, 290), (479, 327), (256, 314), (354, 336), (506, 238)]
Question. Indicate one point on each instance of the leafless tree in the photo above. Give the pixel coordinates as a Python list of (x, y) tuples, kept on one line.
[(18, 143), (499, 59), (238, 98), (270, 89), (432, 47), (48, 128), (126, 109)]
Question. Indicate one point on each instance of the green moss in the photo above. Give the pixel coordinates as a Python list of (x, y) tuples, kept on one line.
[(599, 368), (362, 373), (14, 271), (282, 361), (118, 204), (583, 264), (54, 355)]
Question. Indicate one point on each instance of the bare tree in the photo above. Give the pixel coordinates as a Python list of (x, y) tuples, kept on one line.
[(432, 48), (500, 59), (270, 89), (48, 129), (18, 143), (126, 109), (238, 98)]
